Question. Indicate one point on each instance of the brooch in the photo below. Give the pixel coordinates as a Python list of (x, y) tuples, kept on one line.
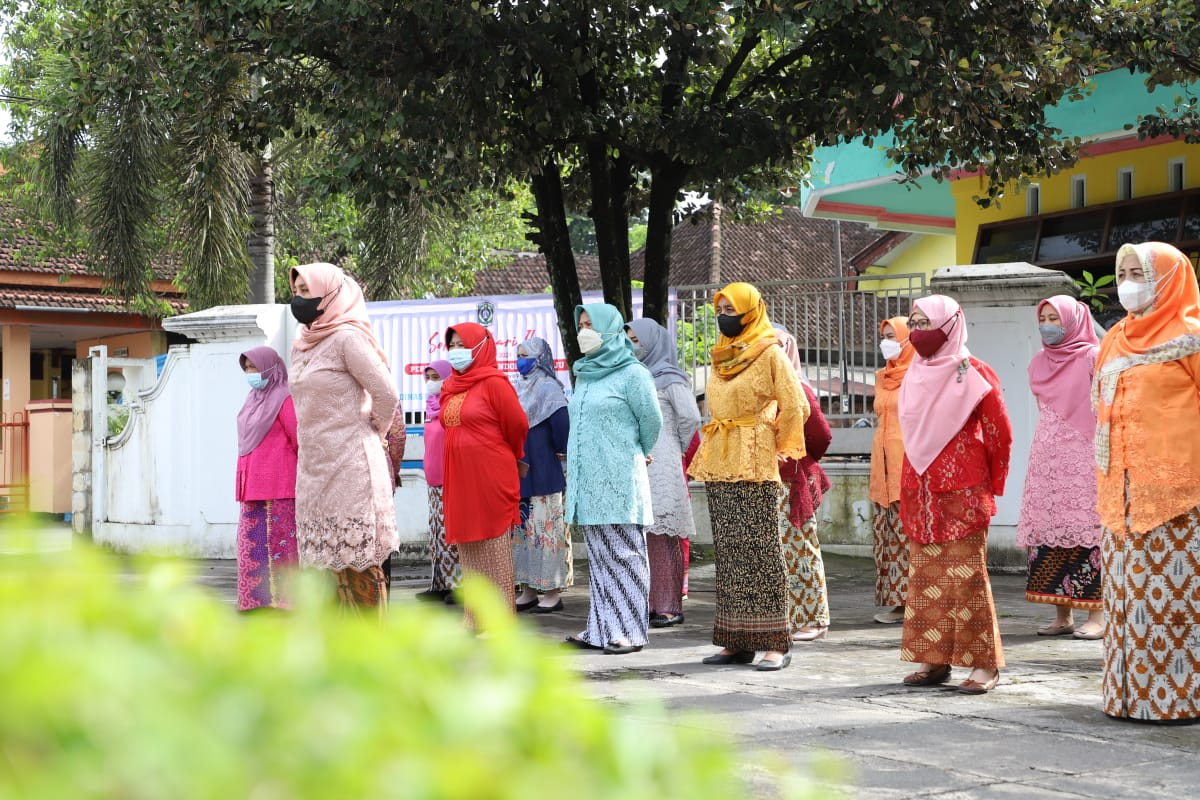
[(963, 366)]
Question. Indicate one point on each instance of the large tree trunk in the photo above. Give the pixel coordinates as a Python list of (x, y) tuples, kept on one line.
[(614, 275), (554, 240), (666, 181), (261, 242)]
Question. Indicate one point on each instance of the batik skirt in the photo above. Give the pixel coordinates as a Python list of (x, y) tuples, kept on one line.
[(949, 614), (542, 545), (491, 559), (618, 584), (266, 553), (808, 599), (891, 556), (752, 598), (443, 557), (1065, 576), (1152, 607), (666, 573)]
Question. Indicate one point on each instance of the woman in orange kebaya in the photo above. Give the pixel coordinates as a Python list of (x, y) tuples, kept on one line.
[(887, 461), (1147, 394)]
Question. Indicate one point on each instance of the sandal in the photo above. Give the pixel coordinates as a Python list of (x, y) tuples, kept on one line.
[(931, 677), (1057, 630)]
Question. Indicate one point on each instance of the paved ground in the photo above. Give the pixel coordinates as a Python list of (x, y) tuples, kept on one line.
[(1040, 734)]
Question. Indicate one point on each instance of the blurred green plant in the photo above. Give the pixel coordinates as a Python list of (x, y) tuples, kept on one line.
[(118, 418), (1089, 289), (143, 686)]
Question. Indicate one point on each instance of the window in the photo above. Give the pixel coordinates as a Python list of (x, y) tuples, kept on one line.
[(1006, 245), (1175, 174), (1156, 221), (1079, 191), (1071, 236), (1125, 183), (1033, 200)]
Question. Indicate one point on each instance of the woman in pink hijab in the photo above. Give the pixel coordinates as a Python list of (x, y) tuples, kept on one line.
[(446, 570), (1059, 521), (346, 399), (266, 482), (957, 442)]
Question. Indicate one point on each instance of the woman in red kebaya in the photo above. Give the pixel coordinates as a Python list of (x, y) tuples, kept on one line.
[(485, 428), (957, 442)]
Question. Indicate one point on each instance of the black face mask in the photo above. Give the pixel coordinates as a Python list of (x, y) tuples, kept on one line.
[(304, 309), (730, 324)]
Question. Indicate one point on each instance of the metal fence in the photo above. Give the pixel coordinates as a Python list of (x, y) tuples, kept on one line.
[(835, 321), (14, 462)]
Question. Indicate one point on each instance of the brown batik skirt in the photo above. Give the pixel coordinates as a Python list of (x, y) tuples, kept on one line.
[(752, 598), (891, 556), (492, 559), (1152, 606), (949, 615), (360, 590)]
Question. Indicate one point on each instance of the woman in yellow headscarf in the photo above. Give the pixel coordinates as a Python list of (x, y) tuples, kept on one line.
[(758, 413)]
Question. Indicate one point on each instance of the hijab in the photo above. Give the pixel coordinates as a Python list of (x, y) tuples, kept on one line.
[(792, 351), (893, 371), (1168, 330), (483, 347), (616, 352), (433, 402), (540, 392), (1060, 375), (939, 393), (1175, 310), (262, 405), (662, 353), (734, 354), (342, 305)]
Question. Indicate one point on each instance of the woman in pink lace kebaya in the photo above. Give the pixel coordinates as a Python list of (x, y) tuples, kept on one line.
[(1059, 522)]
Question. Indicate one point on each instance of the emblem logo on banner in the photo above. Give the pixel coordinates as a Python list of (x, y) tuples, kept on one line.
[(485, 313)]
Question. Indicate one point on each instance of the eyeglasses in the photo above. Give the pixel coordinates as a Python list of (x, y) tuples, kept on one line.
[(919, 324)]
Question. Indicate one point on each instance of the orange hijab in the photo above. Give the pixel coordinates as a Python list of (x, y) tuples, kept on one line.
[(1168, 330), (734, 354), (342, 304), (892, 374)]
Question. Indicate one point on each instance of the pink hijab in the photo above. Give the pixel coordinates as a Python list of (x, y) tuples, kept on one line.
[(262, 405), (342, 302), (1060, 375), (939, 393), (433, 402)]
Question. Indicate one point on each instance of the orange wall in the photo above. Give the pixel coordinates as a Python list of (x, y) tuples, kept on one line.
[(144, 344)]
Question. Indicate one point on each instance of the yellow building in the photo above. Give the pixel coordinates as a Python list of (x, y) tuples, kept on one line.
[(1121, 190)]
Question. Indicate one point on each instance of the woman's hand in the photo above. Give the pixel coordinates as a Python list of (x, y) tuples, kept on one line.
[(649, 460)]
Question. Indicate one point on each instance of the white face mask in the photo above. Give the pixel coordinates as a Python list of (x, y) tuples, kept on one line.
[(433, 387), (589, 341), (890, 348), (1135, 296)]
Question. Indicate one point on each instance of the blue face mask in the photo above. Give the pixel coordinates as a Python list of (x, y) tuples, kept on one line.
[(525, 365), (256, 380), (1052, 334), (460, 359)]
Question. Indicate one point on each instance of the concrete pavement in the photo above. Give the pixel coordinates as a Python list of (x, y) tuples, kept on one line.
[(1040, 734)]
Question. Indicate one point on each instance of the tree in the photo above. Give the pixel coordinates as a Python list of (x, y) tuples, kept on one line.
[(628, 104)]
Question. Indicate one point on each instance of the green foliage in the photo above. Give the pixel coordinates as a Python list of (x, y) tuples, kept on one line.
[(148, 688), (697, 337), (1089, 289), (118, 418)]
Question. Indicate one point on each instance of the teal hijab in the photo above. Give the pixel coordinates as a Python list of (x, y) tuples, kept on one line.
[(616, 352)]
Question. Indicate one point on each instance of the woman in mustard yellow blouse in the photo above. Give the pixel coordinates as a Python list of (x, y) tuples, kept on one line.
[(758, 412)]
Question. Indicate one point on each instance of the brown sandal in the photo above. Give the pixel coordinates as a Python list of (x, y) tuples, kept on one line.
[(929, 677), (975, 687)]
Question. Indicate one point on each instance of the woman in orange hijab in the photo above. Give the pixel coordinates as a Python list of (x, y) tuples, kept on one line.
[(1147, 395), (887, 461), (758, 414)]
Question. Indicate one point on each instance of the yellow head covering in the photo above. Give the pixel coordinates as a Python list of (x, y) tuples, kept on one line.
[(734, 353)]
